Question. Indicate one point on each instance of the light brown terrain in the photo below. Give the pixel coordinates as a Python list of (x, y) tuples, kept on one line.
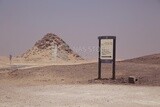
[(29, 82), (75, 86), (147, 74)]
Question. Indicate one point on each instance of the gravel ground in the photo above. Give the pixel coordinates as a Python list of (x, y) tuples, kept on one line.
[(96, 95)]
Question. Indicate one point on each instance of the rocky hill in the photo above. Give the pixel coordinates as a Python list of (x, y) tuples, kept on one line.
[(50, 48)]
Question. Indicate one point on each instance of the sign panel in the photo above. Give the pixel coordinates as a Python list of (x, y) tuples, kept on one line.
[(107, 53), (106, 49)]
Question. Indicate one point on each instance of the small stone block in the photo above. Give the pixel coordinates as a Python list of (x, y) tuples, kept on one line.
[(132, 79)]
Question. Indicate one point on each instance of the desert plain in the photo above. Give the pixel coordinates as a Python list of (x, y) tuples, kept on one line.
[(75, 84), (51, 74)]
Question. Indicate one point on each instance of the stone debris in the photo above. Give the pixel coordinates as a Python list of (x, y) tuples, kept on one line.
[(132, 79)]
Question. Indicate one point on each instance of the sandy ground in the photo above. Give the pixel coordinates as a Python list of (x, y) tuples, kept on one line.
[(22, 64), (75, 85), (147, 74), (97, 95)]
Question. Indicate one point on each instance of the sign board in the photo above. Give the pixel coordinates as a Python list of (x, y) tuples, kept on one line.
[(107, 53), (106, 49)]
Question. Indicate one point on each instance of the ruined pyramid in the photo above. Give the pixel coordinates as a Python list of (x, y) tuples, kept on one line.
[(50, 48)]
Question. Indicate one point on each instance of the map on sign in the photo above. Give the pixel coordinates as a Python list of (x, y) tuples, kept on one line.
[(106, 49)]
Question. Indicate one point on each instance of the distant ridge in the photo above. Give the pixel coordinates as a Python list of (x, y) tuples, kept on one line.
[(50, 48), (148, 59)]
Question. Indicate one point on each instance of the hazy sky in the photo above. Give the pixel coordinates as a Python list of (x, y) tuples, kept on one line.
[(135, 23)]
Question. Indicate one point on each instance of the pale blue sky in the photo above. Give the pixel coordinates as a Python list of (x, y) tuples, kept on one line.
[(135, 23)]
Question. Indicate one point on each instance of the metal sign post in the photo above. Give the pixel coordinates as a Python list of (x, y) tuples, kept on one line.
[(107, 53)]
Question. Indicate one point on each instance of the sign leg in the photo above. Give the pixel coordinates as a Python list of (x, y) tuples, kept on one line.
[(113, 71), (99, 69)]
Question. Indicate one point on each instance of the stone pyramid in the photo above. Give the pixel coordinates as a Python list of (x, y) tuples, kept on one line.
[(50, 48)]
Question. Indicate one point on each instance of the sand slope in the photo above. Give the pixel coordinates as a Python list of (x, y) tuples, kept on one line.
[(148, 59)]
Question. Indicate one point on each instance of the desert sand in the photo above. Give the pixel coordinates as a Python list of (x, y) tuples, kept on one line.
[(76, 86), (34, 79), (96, 95)]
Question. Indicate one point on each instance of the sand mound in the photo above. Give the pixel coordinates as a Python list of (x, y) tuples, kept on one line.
[(50, 48), (4, 61), (149, 59)]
